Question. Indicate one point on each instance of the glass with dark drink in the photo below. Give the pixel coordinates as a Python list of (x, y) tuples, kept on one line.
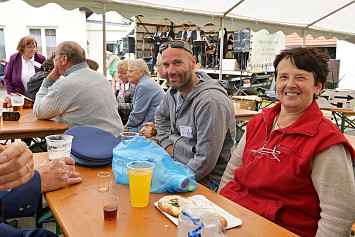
[(110, 206)]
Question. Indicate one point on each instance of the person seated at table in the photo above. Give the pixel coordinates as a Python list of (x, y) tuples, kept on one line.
[(292, 165), (195, 121), (124, 91), (26, 184), (3, 64), (147, 96), (82, 97), (159, 72), (36, 80)]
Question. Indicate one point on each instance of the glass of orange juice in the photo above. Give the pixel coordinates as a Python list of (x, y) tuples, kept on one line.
[(140, 178)]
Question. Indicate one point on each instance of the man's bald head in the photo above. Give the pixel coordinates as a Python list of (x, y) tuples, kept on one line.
[(186, 53), (73, 50), (179, 67)]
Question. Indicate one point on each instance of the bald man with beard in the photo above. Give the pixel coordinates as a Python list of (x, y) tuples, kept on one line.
[(195, 121)]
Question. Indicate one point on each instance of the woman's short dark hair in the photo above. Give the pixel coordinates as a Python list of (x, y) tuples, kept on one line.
[(48, 65), (92, 64), (310, 59), (27, 40)]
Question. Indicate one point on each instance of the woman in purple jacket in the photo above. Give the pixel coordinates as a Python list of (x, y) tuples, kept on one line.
[(22, 66)]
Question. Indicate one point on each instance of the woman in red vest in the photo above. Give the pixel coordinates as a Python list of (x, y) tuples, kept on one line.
[(292, 165)]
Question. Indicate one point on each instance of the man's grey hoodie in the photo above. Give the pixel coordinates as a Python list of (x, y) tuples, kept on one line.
[(202, 130)]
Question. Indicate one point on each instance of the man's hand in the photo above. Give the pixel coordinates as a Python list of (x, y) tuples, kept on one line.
[(16, 165), (54, 75), (146, 130), (58, 173), (169, 149)]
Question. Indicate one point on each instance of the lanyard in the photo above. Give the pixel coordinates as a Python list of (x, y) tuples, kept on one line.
[(272, 154)]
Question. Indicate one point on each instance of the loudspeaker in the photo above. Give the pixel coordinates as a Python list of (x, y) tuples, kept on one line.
[(128, 44), (241, 42), (149, 62)]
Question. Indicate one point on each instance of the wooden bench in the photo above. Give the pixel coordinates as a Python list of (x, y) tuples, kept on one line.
[(331, 118)]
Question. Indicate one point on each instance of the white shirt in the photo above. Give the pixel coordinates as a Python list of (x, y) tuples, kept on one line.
[(198, 34), (28, 70), (126, 86), (221, 33), (158, 33), (189, 33)]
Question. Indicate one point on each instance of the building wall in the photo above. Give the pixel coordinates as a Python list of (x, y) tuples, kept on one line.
[(346, 52), (114, 32), (16, 17)]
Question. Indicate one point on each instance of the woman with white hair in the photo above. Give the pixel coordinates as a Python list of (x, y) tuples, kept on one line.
[(147, 96)]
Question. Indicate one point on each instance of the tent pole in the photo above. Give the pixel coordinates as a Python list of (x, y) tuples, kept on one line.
[(222, 38), (104, 38), (304, 38), (221, 49)]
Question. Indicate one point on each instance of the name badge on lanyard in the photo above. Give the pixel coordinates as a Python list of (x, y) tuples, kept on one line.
[(186, 131), (37, 64)]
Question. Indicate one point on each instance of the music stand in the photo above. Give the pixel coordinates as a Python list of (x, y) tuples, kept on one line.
[(156, 39), (164, 39), (199, 43), (150, 40)]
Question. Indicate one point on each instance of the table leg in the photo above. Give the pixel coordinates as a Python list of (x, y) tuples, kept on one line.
[(43, 215), (342, 128)]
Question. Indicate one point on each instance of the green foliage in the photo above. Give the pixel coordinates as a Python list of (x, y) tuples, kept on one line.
[(127, 21)]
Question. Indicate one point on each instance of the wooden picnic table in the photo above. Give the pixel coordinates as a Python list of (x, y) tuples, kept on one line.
[(29, 127), (78, 211)]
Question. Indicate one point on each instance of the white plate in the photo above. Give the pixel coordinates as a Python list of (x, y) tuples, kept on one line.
[(232, 221)]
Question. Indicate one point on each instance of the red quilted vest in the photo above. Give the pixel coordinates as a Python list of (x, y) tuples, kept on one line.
[(282, 191)]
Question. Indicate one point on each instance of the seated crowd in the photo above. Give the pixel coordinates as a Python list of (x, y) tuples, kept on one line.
[(288, 168)]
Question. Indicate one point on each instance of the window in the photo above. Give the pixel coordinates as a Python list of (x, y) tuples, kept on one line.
[(2, 44), (46, 40)]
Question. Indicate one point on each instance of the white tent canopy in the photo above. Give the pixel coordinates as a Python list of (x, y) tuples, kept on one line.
[(329, 18)]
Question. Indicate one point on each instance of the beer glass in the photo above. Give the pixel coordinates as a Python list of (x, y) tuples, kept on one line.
[(17, 103)]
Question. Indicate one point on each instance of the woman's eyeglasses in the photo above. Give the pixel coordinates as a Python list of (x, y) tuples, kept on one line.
[(31, 46), (175, 44)]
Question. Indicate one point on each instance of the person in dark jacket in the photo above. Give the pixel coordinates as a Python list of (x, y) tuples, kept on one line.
[(36, 80), (16, 75), (21, 185), (3, 64), (169, 33)]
